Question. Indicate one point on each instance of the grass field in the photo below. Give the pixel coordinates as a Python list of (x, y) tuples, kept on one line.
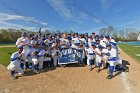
[(5, 54), (132, 50), (7, 44)]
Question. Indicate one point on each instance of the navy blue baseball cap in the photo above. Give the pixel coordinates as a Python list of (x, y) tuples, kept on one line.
[(23, 33), (46, 45), (90, 36), (93, 44), (108, 44), (86, 44), (43, 35), (100, 46), (106, 36), (30, 34), (76, 33), (97, 40), (86, 34), (101, 36), (93, 33), (57, 39), (20, 47)]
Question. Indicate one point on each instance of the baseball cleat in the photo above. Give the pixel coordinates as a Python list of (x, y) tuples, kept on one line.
[(109, 77), (98, 71), (35, 71), (13, 77)]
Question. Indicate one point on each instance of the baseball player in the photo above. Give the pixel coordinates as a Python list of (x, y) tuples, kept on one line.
[(64, 42), (105, 56), (102, 42), (98, 52), (90, 41), (90, 56), (97, 43), (33, 56), (24, 41), (42, 43), (55, 55), (111, 60), (14, 67), (76, 41), (46, 57)]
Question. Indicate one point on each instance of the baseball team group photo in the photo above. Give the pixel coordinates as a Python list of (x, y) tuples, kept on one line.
[(69, 46)]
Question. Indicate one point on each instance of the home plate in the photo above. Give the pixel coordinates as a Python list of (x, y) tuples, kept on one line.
[(137, 54)]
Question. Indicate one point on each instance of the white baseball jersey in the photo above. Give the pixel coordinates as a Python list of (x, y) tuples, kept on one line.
[(102, 43), (90, 53), (105, 40), (104, 52), (23, 41), (15, 63), (66, 40), (83, 40), (54, 53), (43, 52), (14, 59), (98, 55), (113, 57), (76, 40), (31, 52), (112, 53)]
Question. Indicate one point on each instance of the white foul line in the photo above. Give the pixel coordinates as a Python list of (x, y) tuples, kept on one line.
[(125, 82)]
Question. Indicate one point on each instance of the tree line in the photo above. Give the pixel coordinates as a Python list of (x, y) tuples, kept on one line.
[(11, 35), (126, 34)]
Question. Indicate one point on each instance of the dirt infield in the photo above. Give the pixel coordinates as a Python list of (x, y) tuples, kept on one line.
[(7, 46), (73, 80)]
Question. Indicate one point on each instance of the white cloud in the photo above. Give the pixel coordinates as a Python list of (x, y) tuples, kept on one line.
[(8, 17), (77, 15), (60, 7), (6, 25)]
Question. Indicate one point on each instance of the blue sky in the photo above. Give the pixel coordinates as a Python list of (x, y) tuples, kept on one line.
[(77, 15)]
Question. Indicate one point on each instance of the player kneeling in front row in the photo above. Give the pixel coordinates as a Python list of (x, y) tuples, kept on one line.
[(112, 60), (15, 65)]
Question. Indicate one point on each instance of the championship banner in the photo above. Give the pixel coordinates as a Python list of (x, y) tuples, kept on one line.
[(70, 55)]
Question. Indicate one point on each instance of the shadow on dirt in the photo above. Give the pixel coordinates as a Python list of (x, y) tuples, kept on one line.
[(125, 68), (31, 73), (73, 65)]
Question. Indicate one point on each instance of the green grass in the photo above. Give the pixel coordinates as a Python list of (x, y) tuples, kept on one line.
[(131, 50), (5, 56), (7, 44)]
